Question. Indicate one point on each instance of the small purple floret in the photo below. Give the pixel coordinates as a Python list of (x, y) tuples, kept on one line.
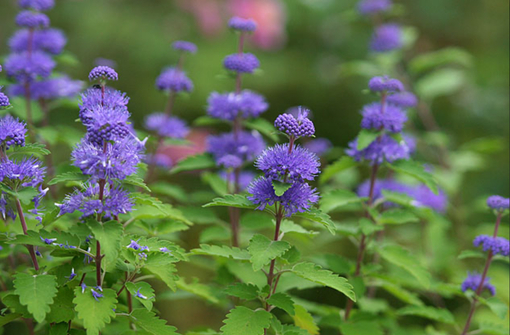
[(241, 63), (387, 37), (29, 19), (473, 280), (103, 73), (185, 46), (498, 203), (238, 23), (385, 84)]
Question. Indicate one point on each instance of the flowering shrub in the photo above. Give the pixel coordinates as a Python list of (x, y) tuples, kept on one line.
[(294, 236)]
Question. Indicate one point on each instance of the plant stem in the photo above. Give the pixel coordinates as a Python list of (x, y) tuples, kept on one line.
[(271, 276), (482, 281), (30, 248)]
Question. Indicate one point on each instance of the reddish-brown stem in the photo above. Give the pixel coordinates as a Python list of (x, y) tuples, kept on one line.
[(30, 248), (479, 289), (129, 297), (270, 276)]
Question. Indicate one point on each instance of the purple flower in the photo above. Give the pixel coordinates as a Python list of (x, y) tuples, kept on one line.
[(300, 126), (133, 245), (115, 201), (160, 159), (105, 123), (278, 164), (473, 280), (246, 145), (245, 178), (238, 23), (403, 99), (185, 46), (39, 5), (103, 73), (83, 287), (48, 40), (369, 7), (47, 240), (26, 68), (32, 20), (27, 172), (139, 295), (37, 202), (96, 295), (241, 63), (142, 255), (167, 126), (175, 80), (229, 106), (385, 148), (4, 101), (498, 203), (386, 37), (497, 245), (298, 198), (385, 84), (12, 132), (50, 89), (93, 97), (377, 117), (5, 209), (164, 249), (318, 146), (72, 275)]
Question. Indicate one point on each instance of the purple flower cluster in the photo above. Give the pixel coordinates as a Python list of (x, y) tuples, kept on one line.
[(38, 5), (300, 126), (498, 203), (378, 117), (387, 37), (103, 73), (175, 80), (229, 106), (12, 132), (51, 41), (472, 282), (185, 46), (385, 84), (385, 148), (241, 62), (27, 67), (370, 7), (167, 126), (241, 24), (233, 150), (421, 194), (4, 100), (497, 245), (50, 88), (403, 100), (32, 20), (27, 172)]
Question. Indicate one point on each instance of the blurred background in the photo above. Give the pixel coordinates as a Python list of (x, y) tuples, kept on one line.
[(307, 49)]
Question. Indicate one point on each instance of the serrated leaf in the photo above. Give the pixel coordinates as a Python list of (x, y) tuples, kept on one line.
[(497, 306), (361, 328), (34, 238), (280, 188), (217, 184), (400, 257), (344, 163), (62, 309), (109, 235), (365, 138), (243, 291), (5, 319), (282, 301), (59, 329), (30, 149), (318, 216), (68, 176), (244, 321), (428, 312), (417, 171), (148, 207), (197, 162), (263, 126), (144, 289), (367, 227), (440, 82), (450, 55), (222, 251), (263, 250), (196, 288), (26, 195), (304, 320), (338, 198), (150, 323), (397, 216), (12, 302), (36, 292), (162, 267), (316, 274), (288, 226), (136, 181), (95, 314), (232, 200), (397, 198)]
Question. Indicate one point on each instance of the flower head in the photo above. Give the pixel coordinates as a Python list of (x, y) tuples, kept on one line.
[(6, 209), (26, 68), (39, 5), (472, 282), (27, 172), (103, 73), (241, 63), (105, 123), (498, 203), (4, 101), (389, 117), (238, 23), (245, 145), (167, 126), (300, 126), (383, 149), (47, 40), (185, 46), (318, 146), (403, 99), (229, 106), (278, 163), (298, 198), (48, 241), (385, 84), (369, 7), (175, 80), (387, 37), (49, 89), (72, 275), (93, 98), (497, 245), (133, 245), (139, 295), (96, 295), (29, 19), (12, 131)]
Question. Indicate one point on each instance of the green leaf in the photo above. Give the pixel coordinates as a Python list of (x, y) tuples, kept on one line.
[(316, 274), (243, 291), (145, 289), (148, 207), (361, 328), (338, 198), (368, 227), (25, 195), (365, 138), (344, 163), (304, 320), (150, 323), (417, 171), (497, 306), (264, 127), (397, 198), (222, 251), (451, 55), (263, 250), (217, 184), (173, 191), (36, 292), (62, 309), (280, 188), (67, 177), (59, 329), (109, 235), (30, 149), (400, 257), (440, 82), (318, 216), (5, 319), (244, 321), (162, 267), (207, 121), (288, 226), (428, 312), (397, 216), (282, 301), (136, 181), (197, 162), (201, 290), (472, 254), (95, 314), (232, 200)]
